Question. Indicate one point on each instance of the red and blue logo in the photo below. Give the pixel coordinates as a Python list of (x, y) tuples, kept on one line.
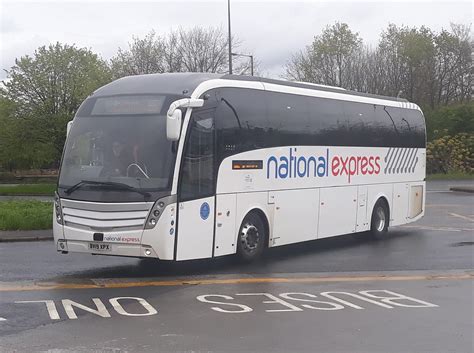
[(294, 166)]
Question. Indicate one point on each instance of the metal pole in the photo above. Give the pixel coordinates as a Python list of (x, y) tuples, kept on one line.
[(230, 38), (251, 65)]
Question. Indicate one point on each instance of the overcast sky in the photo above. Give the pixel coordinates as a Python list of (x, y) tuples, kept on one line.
[(272, 30)]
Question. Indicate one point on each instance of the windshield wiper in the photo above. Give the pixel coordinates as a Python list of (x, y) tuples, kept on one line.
[(122, 186)]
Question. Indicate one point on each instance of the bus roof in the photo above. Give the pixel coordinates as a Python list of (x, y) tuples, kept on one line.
[(311, 86), (185, 83), (182, 83)]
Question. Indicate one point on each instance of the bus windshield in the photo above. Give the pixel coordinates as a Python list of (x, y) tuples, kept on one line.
[(119, 139)]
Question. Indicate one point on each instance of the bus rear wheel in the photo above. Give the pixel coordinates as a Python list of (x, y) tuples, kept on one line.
[(379, 221), (251, 239)]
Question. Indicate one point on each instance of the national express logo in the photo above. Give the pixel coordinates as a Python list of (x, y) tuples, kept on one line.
[(294, 166), (291, 165)]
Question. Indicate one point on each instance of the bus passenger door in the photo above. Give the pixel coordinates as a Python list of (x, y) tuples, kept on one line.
[(196, 198)]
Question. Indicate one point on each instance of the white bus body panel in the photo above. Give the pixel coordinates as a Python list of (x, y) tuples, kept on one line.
[(337, 211), (236, 181), (195, 229), (399, 210), (329, 204), (226, 227), (362, 196), (161, 238), (295, 216), (417, 201)]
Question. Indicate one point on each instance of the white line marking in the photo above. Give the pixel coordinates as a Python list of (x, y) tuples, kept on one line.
[(52, 311), (461, 216), (3, 319)]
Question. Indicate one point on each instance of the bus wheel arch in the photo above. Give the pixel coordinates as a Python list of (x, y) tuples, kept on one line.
[(253, 235), (380, 219)]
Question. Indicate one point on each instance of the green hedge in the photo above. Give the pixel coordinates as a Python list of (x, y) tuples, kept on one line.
[(450, 154), (26, 215)]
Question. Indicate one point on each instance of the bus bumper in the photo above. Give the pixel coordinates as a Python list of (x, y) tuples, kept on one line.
[(111, 249)]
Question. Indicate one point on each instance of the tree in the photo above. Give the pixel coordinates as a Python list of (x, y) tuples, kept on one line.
[(453, 65), (184, 50), (19, 147), (450, 120), (144, 56), (48, 87), (328, 59), (415, 63), (203, 50)]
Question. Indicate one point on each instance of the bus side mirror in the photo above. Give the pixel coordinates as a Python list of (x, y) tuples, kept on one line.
[(173, 116), (173, 125), (68, 127)]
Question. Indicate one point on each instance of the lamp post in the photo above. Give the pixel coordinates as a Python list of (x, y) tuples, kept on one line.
[(230, 38), (248, 56)]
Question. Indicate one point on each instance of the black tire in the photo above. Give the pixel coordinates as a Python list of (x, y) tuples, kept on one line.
[(379, 221), (252, 238)]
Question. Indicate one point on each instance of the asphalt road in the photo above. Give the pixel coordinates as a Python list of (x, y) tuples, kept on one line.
[(411, 293)]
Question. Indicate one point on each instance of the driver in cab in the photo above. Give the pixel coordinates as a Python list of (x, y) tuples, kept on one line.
[(120, 159)]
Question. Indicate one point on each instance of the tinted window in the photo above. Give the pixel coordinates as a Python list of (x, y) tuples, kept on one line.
[(252, 119), (408, 127), (288, 120), (358, 123), (415, 127), (197, 175), (241, 120), (384, 131), (228, 128), (328, 122)]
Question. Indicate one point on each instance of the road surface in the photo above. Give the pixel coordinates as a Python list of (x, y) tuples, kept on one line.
[(413, 292)]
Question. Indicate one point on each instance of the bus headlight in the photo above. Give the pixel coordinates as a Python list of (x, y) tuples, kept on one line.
[(57, 209), (157, 210)]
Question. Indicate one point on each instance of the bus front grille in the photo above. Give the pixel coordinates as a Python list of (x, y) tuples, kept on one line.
[(97, 216)]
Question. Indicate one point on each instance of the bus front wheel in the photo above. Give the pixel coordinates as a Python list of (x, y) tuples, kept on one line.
[(379, 221), (251, 239)]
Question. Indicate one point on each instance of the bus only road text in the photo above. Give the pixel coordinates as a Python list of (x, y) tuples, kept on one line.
[(299, 301), (223, 303)]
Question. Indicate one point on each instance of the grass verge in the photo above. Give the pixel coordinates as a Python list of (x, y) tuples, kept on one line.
[(450, 176), (28, 189), (26, 215)]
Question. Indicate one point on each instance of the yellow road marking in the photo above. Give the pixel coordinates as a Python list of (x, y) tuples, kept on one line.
[(462, 217), (443, 229), (5, 287)]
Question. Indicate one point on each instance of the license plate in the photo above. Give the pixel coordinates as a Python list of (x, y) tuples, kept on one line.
[(100, 247)]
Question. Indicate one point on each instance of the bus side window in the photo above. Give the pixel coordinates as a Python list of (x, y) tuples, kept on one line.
[(228, 130), (414, 127), (197, 173), (288, 119), (326, 118), (243, 111)]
